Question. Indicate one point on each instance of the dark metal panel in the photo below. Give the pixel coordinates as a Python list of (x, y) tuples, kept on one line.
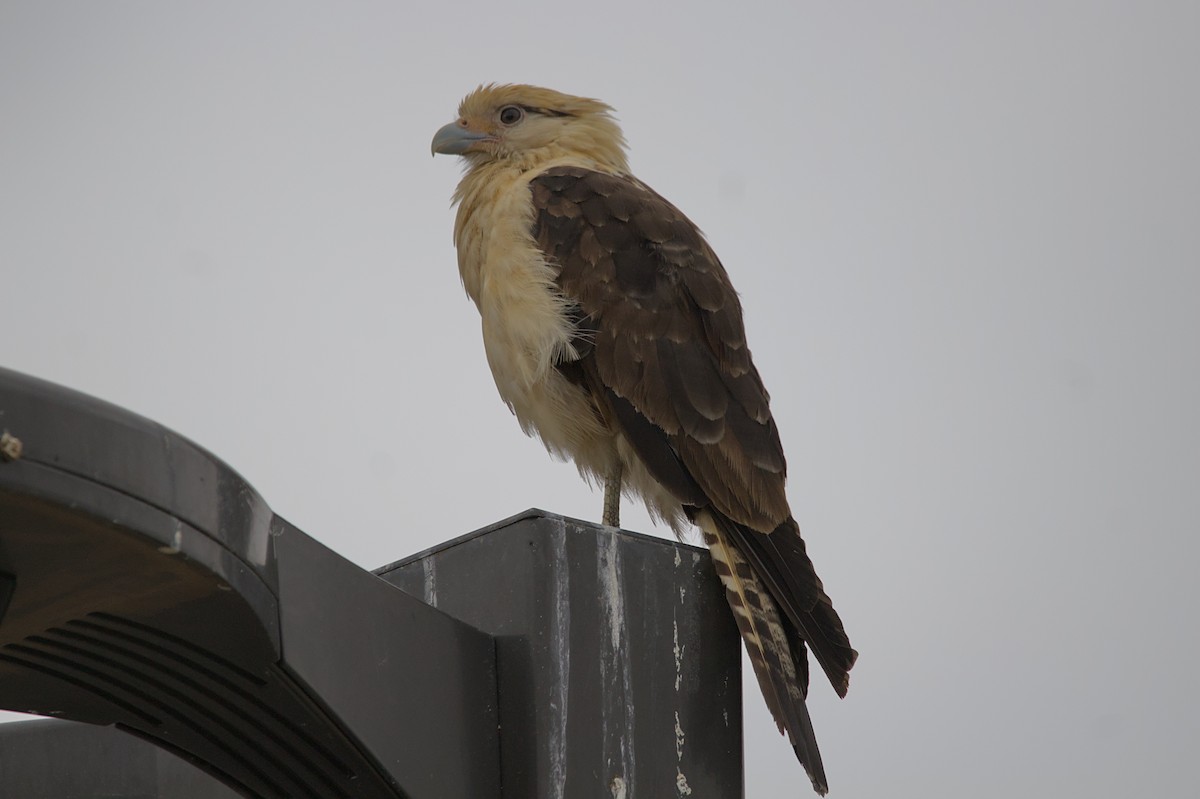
[(417, 687), (65, 760), (619, 663), (83, 436)]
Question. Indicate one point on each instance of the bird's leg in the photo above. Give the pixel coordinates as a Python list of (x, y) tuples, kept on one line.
[(612, 495)]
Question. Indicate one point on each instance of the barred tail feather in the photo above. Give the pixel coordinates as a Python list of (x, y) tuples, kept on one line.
[(783, 566), (771, 648)]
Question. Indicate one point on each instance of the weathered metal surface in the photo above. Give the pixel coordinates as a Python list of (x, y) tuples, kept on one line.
[(619, 662)]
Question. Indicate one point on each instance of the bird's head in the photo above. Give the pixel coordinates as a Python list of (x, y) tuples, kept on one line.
[(528, 126)]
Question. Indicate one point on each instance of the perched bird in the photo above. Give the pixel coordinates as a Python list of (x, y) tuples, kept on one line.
[(614, 334)]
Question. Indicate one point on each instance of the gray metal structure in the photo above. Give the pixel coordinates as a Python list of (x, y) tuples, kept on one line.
[(216, 650)]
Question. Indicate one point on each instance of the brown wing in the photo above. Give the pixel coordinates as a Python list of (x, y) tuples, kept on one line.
[(663, 349), (666, 334)]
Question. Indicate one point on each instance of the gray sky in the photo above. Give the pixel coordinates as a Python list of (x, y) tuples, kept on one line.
[(967, 239)]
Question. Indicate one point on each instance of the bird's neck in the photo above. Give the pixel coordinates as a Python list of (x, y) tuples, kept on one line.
[(481, 170)]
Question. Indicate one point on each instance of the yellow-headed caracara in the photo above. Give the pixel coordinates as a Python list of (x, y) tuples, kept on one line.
[(614, 334)]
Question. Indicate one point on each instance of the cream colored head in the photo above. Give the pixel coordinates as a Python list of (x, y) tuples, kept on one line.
[(528, 125)]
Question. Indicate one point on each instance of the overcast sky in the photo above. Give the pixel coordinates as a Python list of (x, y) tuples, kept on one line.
[(967, 240)]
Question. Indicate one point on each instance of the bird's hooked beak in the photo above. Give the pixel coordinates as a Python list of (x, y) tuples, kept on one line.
[(457, 138)]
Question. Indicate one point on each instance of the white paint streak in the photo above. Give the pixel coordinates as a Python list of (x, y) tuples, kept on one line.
[(618, 704), (429, 570), (560, 632), (614, 598), (681, 784), (617, 786), (678, 651)]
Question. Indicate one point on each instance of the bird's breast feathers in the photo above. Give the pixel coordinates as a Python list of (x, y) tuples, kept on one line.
[(527, 325)]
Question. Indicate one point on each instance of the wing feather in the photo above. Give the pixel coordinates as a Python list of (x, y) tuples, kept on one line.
[(667, 329)]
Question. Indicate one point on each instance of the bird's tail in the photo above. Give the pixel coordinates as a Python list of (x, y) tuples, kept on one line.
[(776, 651), (782, 566)]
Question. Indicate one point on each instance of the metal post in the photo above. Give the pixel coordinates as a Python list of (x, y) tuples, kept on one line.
[(618, 659)]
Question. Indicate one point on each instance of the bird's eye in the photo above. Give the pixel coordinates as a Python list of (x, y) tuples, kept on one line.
[(511, 114)]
